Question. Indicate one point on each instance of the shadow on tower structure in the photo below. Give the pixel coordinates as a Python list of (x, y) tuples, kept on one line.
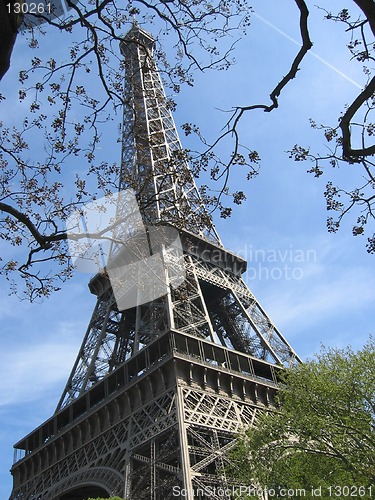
[(159, 389)]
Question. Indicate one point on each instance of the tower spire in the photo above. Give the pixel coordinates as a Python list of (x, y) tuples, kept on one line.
[(153, 159)]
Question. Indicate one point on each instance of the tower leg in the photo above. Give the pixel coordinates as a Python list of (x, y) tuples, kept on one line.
[(185, 459)]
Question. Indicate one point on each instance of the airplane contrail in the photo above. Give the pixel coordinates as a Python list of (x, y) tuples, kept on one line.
[(312, 53)]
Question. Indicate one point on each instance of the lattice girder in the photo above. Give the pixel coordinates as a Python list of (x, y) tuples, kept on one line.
[(116, 422)]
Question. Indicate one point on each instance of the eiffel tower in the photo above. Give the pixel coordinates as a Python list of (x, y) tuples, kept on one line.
[(159, 390)]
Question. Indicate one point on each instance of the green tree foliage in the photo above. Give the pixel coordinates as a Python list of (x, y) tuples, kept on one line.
[(322, 434)]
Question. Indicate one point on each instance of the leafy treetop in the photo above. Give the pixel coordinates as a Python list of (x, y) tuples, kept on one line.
[(323, 432)]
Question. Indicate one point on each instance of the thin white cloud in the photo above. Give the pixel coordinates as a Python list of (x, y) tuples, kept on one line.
[(331, 298), (321, 296), (32, 371)]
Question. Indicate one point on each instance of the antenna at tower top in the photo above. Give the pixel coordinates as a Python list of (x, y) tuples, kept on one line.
[(138, 35)]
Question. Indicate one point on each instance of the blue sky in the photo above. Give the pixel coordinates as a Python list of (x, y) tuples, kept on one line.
[(317, 288)]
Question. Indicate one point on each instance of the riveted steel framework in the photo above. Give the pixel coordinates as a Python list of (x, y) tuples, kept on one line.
[(158, 391), (161, 422)]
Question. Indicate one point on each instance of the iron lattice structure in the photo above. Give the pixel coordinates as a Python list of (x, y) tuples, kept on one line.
[(158, 391)]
